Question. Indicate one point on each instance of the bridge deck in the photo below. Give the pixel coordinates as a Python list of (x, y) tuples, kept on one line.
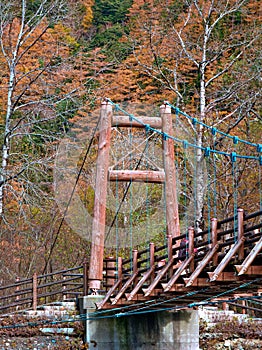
[(225, 265), (226, 262)]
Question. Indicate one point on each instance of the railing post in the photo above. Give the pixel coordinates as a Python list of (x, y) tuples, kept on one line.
[(243, 309), (120, 270), (135, 266), (34, 291), (240, 221), (152, 258), (110, 272), (17, 288), (191, 247), (214, 239), (169, 247), (85, 277), (224, 306), (170, 253), (64, 290)]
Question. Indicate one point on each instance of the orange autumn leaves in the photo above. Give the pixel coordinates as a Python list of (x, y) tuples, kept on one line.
[(41, 65)]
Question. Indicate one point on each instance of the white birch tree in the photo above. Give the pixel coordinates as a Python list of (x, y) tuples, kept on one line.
[(202, 41), (28, 98), (38, 95)]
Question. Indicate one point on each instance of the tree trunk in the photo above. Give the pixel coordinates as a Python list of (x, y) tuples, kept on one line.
[(6, 143), (200, 180)]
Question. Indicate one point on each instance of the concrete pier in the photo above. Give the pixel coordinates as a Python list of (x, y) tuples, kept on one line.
[(163, 330)]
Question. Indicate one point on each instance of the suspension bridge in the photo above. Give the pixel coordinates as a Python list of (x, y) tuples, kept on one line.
[(220, 260), (159, 175), (213, 255)]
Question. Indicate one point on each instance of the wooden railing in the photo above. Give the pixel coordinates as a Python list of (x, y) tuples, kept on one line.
[(236, 240), (43, 289), (225, 233)]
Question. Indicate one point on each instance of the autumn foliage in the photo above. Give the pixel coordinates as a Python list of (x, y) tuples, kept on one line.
[(201, 56)]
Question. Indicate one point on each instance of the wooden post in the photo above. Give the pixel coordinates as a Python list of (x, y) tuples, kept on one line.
[(85, 277), (243, 309), (148, 176), (169, 247), (120, 270), (124, 120), (17, 288), (135, 266), (224, 306), (17, 291), (64, 289), (240, 222), (170, 173), (170, 253), (152, 258), (34, 291), (110, 272), (98, 229), (214, 239), (191, 247)]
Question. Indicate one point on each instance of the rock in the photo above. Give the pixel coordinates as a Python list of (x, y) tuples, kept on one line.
[(227, 343)]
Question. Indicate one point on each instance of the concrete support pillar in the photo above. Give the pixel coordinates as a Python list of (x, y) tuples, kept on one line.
[(155, 330)]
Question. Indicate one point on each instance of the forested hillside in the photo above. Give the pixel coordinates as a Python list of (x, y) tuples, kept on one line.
[(59, 59)]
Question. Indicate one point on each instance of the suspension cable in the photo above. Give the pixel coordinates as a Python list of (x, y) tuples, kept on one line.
[(71, 196)]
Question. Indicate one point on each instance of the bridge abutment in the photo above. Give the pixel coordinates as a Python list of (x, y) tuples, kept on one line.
[(163, 330)]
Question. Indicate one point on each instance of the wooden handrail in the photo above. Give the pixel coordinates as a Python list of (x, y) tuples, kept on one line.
[(20, 293)]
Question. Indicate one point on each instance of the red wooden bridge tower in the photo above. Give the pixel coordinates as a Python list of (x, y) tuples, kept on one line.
[(166, 175)]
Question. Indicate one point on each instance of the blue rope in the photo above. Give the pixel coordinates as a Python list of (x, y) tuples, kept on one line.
[(235, 139), (232, 290), (84, 317), (207, 151), (95, 315), (194, 121)]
